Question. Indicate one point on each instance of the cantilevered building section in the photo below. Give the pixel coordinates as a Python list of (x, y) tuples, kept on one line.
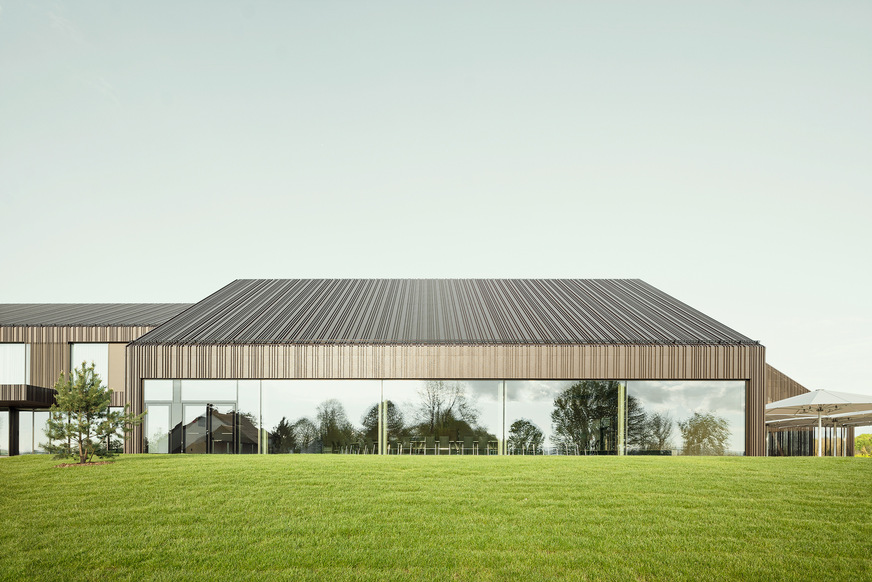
[(406, 366)]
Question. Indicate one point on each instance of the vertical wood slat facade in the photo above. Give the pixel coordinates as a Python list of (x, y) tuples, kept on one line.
[(552, 362), (50, 350), (780, 386)]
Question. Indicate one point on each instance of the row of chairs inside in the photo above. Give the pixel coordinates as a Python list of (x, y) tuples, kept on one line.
[(424, 445), (468, 445)]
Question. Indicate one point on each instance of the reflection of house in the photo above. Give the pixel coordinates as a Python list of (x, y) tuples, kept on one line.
[(217, 432), (256, 330)]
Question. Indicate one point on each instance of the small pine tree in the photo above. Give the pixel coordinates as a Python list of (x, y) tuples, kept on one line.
[(80, 423)]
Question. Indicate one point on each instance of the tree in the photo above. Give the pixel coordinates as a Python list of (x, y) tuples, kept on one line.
[(704, 434), (659, 432), (863, 445), (284, 440), (333, 423), (305, 433), (525, 435), (395, 421), (585, 416), (80, 423), (445, 409)]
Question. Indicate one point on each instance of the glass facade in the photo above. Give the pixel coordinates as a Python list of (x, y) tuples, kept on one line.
[(14, 364), (565, 417), (803, 441), (686, 417), (515, 417), (320, 416), (31, 431), (4, 432), (443, 416), (791, 442)]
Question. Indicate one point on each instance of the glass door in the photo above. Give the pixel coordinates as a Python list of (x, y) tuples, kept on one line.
[(209, 428), (222, 429)]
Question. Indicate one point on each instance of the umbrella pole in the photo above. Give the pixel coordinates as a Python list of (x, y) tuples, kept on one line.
[(820, 435)]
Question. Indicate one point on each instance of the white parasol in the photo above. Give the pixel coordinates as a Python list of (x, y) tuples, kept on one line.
[(823, 403)]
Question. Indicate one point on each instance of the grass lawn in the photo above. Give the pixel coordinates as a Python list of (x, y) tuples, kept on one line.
[(311, 517)]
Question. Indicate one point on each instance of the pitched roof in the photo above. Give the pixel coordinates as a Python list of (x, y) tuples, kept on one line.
[(441, 311), (88, 314)]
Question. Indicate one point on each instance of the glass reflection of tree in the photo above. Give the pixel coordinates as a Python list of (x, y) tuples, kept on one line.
[(283, 439), (445, 410), (657, 435), (396, 422), (335, 429), (585, 418), (524, 437), (704, 434), (306, 435)]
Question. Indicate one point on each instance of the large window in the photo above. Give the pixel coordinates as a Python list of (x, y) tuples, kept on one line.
[(31, 431), (14, 364), (98, 354), (689, 417), (4, 432), (320, 416), (486, 417), (566, 417), (443, 416)]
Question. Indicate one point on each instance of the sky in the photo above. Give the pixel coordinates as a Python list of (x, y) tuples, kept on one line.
[(720, 151)]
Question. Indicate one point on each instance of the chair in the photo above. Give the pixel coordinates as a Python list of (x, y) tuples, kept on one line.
[(405, 444), (444, 445), (429, 444), (483, 448), (468, 445)]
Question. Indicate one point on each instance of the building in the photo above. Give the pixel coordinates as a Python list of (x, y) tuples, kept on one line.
[(472, 366)]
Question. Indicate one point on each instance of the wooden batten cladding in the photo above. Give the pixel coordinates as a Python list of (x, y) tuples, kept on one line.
[(780, 386), (44, 334), (117, 398), (50, 345), (554, 362)]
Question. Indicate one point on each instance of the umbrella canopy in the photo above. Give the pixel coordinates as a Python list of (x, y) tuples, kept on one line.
[(820, 402), (863, 418)]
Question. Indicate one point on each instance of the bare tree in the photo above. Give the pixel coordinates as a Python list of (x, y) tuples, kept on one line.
[(659, 432), (305, 434), (444, 405)]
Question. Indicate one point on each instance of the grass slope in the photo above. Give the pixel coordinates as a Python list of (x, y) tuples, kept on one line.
[(301, 517)]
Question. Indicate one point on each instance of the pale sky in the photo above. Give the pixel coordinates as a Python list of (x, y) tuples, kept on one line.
[(155, 151)]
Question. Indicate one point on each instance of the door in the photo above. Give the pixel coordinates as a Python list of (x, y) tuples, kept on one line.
[(209, 428)]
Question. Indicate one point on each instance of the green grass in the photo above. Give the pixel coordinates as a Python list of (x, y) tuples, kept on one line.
[(300, 517)]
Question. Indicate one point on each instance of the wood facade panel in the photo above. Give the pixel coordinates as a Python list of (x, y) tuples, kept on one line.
[(116, 372), (47, 361), (554, 362), (50, 349), (69, 334), (780, 386)]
